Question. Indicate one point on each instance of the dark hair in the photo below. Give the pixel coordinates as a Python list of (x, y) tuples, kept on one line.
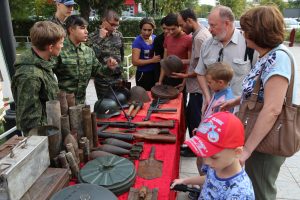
[(163, 21), (220, 71), (171, 19), (111, 14), (188, 13), (45, 33), (75, 20), (264, 25), (147, 20)]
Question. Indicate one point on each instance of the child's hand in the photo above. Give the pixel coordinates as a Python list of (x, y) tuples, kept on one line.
[(177, 182)]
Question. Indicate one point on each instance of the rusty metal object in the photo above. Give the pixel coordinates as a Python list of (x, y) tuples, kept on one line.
[(73, 165), (65, 126), (164, 92), (76, 119), (70, 148), (132, 105), (122, 124), (138, 93), (63, 161), (87, 125), (113, 149), (171, 64), (143, 193), (94, 129), (96, 154), (70, 99), (118, 143), (61, 96), (150, 168), (54, 139), (53, 113), (153, 131)]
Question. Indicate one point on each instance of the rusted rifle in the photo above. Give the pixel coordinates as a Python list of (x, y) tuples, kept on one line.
[(132, 125)]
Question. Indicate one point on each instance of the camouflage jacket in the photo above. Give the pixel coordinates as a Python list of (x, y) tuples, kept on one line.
[(32, 86), (75, 67), (111, 46), (58, 22)]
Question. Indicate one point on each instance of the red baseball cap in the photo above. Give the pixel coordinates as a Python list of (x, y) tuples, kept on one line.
[(222, 130)]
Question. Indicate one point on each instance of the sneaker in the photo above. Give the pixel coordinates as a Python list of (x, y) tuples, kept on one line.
[(187, 153)]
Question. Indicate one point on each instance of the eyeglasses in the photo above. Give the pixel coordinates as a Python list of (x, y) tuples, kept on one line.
[(116, 26), (220, 55)]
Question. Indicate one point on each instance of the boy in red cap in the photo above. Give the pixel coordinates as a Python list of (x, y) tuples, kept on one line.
[(219, 141)]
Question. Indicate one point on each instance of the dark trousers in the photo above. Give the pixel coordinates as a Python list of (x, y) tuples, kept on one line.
[(193, 112), (263, 170), (145, 79)]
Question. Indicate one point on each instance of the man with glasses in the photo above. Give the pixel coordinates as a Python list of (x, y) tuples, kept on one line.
[(227, 45), (64, 9), (107, 43)]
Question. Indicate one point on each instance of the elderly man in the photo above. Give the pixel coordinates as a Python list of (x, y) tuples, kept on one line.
[(64, 9), (107, 43), (227, 45), (187, 20)]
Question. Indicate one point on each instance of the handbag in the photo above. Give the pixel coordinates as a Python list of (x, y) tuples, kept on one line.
[(284, 137)]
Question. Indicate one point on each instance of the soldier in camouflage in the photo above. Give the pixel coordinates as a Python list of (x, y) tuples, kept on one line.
[(33, 83), (77, 62), (107, 42), (64, 9)]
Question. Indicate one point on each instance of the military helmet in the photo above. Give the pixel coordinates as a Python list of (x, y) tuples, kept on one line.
[(171, 64), (138, 93), (106, 108), (122, 94)]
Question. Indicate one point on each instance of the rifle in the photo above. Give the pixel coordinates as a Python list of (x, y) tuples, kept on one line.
[(184, 188), (165, 138), (154, 108), (133, 125)]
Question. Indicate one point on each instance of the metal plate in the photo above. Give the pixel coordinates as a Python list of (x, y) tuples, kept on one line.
[(84, 192), (164, 91)]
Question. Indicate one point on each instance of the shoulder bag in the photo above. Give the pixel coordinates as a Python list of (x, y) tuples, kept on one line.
[(284, 137)]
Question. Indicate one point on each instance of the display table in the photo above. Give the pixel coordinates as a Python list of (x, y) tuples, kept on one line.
[(168, 153)]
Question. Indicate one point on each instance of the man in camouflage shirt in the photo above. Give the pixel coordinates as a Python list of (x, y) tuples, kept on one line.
[(34, 83), (64, 9), (77, 62), (107, 42)]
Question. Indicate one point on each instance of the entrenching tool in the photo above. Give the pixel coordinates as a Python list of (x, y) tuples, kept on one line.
[(132, 105), (150, 168)]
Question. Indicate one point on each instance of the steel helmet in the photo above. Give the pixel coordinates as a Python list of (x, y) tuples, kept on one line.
[(138, 93), (122, 94), (171, 64), (106, 108)]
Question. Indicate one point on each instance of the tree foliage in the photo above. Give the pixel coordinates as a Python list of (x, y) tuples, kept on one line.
[(237, 6), (279, 3), (156, 8), (294, 4)]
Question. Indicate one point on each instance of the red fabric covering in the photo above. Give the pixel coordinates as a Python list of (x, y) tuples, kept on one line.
[(168, 153)]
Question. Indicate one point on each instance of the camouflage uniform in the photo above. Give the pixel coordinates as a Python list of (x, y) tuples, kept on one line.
[(32, 86), (75, 67), (58, 22), (110, 46)]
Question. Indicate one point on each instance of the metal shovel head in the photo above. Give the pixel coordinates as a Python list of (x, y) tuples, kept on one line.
[(150, 168)]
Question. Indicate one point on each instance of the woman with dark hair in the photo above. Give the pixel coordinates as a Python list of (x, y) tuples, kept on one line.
[(143, 55), (263, 28)]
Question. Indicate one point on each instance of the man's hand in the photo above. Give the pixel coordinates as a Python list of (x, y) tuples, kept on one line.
[(103, 32), (180, 87), (178, 75), (156, 59), (112, 63), (158, 83), (205, 104)]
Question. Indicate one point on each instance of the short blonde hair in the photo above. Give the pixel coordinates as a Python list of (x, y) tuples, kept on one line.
[(45, 33), (220, 71)]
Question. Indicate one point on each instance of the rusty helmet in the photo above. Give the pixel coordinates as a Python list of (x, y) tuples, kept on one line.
[(171, 64), (138, 93)]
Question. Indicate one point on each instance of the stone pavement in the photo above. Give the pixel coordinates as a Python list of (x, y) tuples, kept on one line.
[(288, 182)]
